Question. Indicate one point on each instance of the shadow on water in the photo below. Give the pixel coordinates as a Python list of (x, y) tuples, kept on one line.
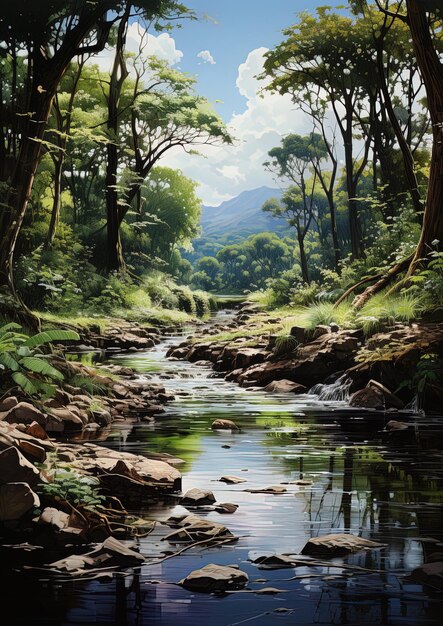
[(388, 491)]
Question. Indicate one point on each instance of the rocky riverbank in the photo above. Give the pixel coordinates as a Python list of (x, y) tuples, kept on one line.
[(58, 490), (378, 371)]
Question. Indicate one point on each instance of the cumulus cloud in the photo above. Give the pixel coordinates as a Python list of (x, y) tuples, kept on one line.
[(229, 170), (162, 46), (206, 57)]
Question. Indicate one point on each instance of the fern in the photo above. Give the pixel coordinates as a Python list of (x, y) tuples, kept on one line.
[(49, 336)]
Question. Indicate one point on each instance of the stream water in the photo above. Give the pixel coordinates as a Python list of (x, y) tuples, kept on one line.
[(391, 492)]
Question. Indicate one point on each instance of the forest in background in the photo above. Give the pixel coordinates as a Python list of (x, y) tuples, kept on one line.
[(92, 223)]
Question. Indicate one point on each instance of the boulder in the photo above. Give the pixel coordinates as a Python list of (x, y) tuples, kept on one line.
[(272, 561), (249, 356), (391, 400), (111, 553), (193, 528), (61, 522), (284, 386), (198, 497), (24, 413), (368, 398), (299, 333), (35, 452), (320, 330), (7, 404), (35, 430), (16, 499), (15, 468), (98, 460), (224, 425), (430, 574), (216, 578), (335, 545)]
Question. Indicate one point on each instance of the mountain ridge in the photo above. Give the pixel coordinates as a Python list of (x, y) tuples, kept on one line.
[(242, 215)]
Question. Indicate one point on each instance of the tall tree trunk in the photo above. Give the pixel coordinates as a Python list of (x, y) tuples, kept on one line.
[(334, 233), (303, 258), (56, 203), (119, 73), (355, 232), (405, 148), (115, 261), (21, 187), (431, 69)]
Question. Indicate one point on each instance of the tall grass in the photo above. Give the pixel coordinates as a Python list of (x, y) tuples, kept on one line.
[(325, 313), (382, 311)]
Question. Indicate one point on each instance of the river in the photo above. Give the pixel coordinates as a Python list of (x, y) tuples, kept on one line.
[(356, 481)]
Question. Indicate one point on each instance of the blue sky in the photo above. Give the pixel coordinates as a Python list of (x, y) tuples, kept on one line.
[(234, 28)]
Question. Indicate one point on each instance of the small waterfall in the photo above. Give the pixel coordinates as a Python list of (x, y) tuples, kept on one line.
[(414, 406), (338, 390)]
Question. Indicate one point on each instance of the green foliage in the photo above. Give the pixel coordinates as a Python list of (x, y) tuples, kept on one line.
[(23, 362), (429, 370), (74, 488)]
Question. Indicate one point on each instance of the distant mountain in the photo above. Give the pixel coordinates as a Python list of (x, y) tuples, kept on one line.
[(242, 216)]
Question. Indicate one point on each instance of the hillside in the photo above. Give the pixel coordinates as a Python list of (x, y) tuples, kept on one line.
[(241, 216)]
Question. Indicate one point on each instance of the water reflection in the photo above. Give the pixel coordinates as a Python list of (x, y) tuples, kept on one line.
[(354, 482)]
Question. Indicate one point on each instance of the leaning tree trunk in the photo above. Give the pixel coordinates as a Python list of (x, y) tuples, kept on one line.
[(431, 69)]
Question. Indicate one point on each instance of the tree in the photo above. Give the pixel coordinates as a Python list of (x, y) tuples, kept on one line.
[(147, 116), (331, 55), (419, 18), (169, 218), (294, 160), (50, 34)]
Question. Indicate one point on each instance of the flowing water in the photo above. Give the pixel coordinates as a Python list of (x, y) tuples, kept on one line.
[(356, 481)]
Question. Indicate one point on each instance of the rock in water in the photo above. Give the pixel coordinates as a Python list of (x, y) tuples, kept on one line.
[(284, 386), (224, 425), (16, 499), (215, 578), (368, 398), (274, 489), (429, 574), (232, 480), (338, 545), (198, 497), (111, 553), (226, 507), (391, 400)]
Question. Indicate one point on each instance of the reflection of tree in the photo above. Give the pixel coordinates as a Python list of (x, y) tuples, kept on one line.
[(346, 498)]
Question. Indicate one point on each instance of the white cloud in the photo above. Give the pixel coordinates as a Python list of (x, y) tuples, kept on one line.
[(232, 172), (206, 57), (229, 170), (162, 46)]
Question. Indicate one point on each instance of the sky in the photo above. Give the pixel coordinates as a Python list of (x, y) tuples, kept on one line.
[(224, 50)]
